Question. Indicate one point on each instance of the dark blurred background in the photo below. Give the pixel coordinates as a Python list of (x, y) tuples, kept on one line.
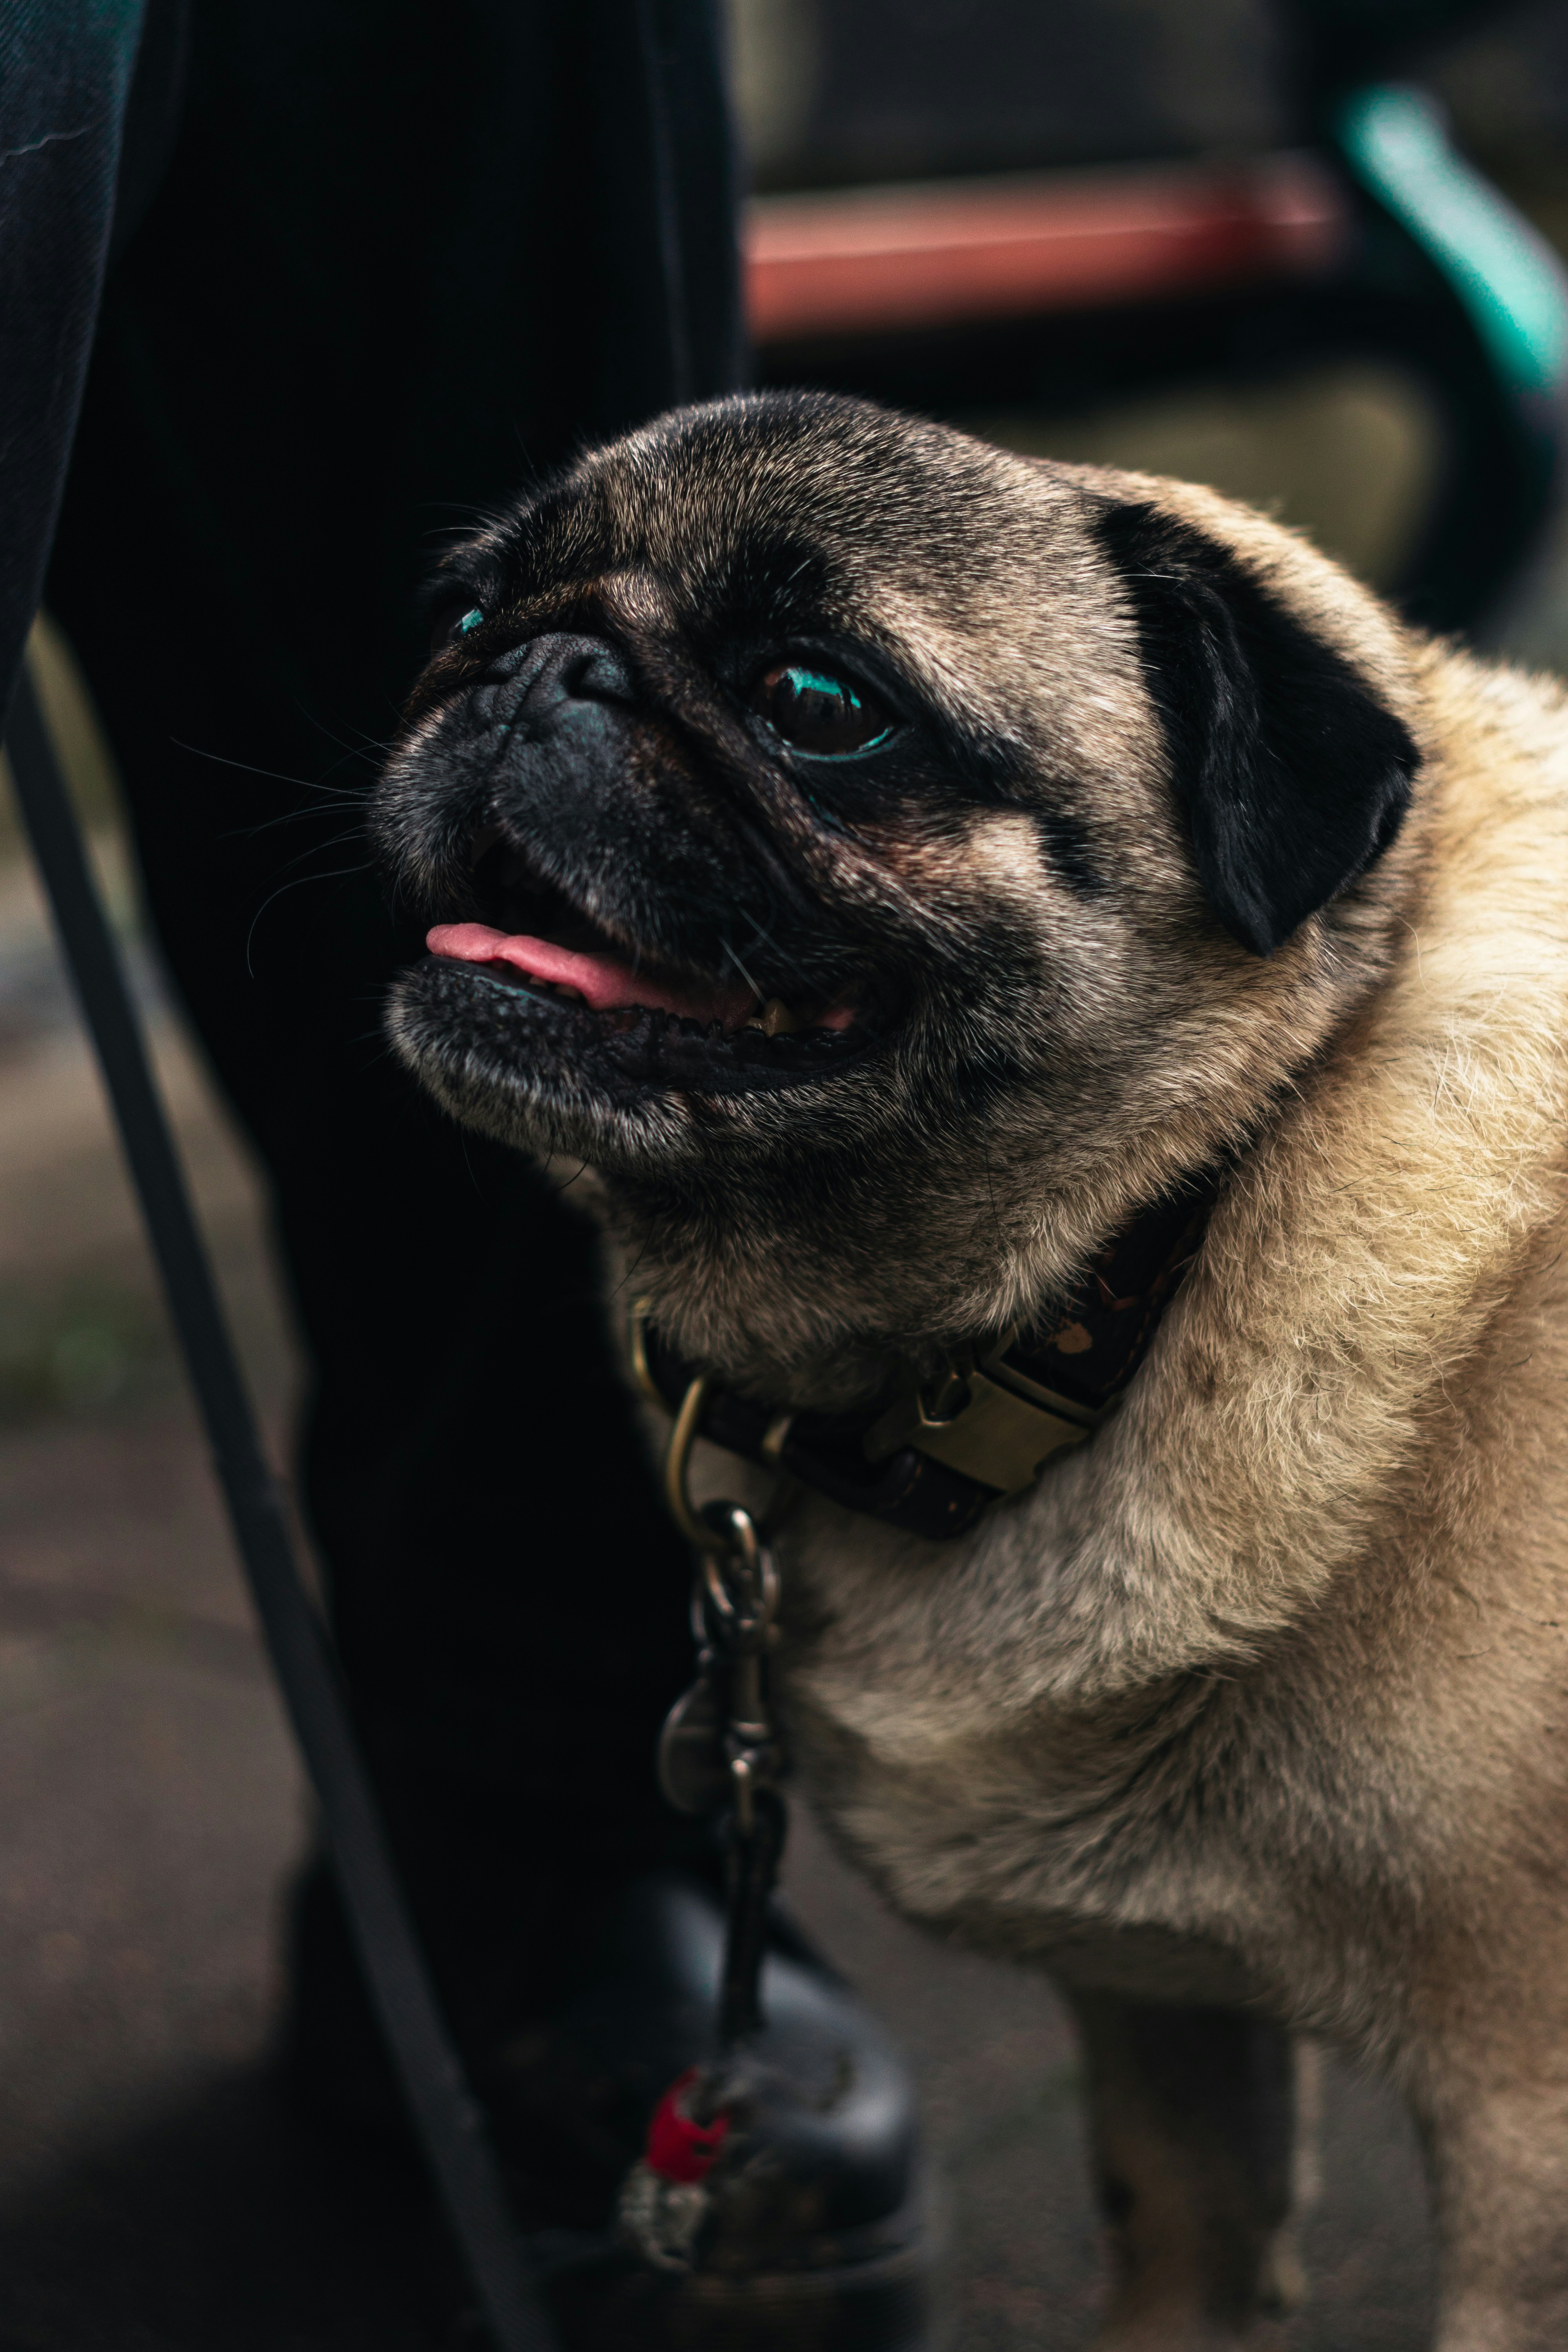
[(837, 91), (1180, 248), (1345, 359)]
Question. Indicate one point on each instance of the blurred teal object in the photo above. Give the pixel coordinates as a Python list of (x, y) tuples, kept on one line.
[(1502, 270)]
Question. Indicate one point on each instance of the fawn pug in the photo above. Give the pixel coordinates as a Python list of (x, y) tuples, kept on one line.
[(911, 875)]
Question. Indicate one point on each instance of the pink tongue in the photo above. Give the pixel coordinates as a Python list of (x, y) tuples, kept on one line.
[(605, 985)]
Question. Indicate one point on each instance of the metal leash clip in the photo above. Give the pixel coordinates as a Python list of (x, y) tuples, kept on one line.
[(719, 1754), (721, 1750)]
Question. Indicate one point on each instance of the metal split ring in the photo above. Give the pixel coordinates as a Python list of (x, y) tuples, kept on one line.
[(708, 1526), (745, 1563)]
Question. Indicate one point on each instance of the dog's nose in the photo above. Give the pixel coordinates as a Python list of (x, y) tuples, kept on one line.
[(560, 668)]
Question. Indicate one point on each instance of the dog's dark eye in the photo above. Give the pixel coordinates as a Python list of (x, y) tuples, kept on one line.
[(813, 710), (451, 623)]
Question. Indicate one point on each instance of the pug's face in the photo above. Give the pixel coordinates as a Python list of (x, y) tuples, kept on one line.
[(891, 863)]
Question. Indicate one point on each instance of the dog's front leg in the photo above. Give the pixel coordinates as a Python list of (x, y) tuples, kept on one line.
[(1190, 2130), (1494, 2108)]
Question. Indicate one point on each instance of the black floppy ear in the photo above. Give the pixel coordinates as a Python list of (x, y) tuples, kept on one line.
[(1294, 776)]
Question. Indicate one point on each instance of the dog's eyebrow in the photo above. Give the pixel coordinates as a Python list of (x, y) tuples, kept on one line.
[(1067, 844)]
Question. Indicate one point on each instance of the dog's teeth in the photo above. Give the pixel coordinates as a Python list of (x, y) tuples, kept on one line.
[(777, 1020)]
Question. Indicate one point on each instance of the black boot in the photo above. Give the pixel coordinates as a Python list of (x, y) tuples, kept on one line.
[(760, 2200)]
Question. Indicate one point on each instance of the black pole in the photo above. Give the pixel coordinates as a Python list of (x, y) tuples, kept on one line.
[(450, 2125)]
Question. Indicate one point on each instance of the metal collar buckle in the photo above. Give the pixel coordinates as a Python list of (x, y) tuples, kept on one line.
[(981, 1416)]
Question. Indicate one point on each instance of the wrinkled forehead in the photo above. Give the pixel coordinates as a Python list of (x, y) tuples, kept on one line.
[(976, 573)]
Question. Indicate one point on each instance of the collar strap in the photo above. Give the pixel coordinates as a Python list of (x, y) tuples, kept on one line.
[(931, 1458)]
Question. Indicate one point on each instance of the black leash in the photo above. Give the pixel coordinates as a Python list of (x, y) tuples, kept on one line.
[(450, 2125)]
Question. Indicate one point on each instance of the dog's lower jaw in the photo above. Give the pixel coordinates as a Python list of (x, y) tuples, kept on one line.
[(513, 1105)]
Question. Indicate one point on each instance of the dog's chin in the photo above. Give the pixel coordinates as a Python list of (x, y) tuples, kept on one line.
[(546, 1073)]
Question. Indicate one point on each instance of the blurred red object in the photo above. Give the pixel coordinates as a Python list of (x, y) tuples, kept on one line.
[(850, 261)]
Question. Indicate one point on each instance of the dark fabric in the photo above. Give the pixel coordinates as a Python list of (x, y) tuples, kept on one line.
[(404, 253), (66, 73)]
